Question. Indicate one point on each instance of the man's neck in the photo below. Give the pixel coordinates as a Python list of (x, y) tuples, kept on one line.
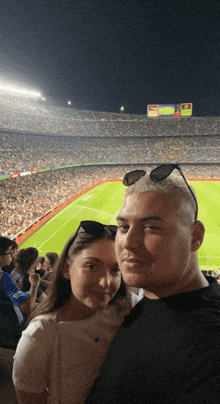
[(188, 284)]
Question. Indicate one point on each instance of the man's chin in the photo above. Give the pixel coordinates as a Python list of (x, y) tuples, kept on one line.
[(132, 279)]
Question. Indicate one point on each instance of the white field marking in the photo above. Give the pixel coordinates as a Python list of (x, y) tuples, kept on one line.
[(85, 199), (207, 227), (97, 210), (71, 218)]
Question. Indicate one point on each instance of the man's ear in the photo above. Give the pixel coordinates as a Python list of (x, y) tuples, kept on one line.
[(66, 268), (197, 235)]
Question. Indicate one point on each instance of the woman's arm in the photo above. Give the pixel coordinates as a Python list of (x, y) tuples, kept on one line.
[(42, 298), (31, 363), (29, 304), (31, 398)]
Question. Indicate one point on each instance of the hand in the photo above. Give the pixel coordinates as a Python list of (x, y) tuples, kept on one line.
[(34, 279)]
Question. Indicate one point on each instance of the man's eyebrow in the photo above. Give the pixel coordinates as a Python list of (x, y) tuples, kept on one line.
[(94, 258), (142, 219), (120, 218)]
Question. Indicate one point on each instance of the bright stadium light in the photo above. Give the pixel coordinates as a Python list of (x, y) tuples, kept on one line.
[(69, 102), (16, 90)]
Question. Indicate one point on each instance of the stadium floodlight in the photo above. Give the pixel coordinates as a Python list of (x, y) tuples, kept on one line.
[(19, 91), (69, 102)]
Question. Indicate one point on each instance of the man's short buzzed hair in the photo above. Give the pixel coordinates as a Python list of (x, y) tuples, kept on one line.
[(173, 185)]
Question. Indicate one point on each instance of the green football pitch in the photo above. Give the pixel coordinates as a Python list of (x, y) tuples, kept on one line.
[(103, 204)]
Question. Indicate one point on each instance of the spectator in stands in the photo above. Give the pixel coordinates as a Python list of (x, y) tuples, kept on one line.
[(87, 301), (50, 261), (39, 268), (167, 349), (11, 266), (12, 299), (26, 263)]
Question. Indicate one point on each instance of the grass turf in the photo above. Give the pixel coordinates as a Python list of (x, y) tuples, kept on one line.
[(103, 204)]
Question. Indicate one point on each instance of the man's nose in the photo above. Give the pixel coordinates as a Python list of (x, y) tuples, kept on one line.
[(133, 238)]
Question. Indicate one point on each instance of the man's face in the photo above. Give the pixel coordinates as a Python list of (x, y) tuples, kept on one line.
[(153, 241), (6, 259)]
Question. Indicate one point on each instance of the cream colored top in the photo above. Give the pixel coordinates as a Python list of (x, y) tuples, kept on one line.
[(65, 356)]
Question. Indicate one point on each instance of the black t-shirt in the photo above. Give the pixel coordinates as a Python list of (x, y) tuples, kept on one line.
[(47, 276), (41, 272), (26, 285), (166, 351)]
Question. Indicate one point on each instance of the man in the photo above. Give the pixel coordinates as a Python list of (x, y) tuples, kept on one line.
[(167, 349), (11, 268), (12, 299)]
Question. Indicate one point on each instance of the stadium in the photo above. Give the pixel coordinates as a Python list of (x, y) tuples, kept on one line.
[(52, 155), (60, 165)]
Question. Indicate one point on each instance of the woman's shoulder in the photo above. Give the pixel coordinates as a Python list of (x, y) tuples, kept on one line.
[(42, 322), (45, 318)]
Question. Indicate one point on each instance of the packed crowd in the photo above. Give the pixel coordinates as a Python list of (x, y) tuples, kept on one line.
[(22, 152), (27, 198), (30, 116)]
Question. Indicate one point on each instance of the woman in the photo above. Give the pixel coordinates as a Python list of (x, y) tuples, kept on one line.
[(39, 268), (61, 351), (26, 262), (50, 261)]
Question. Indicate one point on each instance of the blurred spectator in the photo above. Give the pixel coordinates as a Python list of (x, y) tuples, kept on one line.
[(11, 266), (26, 263), (39, 268), (12, 299), (50, 261)]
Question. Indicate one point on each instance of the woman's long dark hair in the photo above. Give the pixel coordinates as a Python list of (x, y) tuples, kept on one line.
[(59, 290)]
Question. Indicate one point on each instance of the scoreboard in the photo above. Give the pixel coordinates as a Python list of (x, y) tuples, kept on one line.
[(175, 110)]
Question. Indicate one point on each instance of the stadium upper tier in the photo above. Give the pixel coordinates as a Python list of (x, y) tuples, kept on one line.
[(21, 152), (30, 116)]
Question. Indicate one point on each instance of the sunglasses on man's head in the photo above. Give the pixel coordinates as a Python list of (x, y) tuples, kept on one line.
[(158, 174), (93, 228)]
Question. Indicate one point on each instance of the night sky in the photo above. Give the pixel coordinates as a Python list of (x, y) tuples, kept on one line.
[(104, 54)]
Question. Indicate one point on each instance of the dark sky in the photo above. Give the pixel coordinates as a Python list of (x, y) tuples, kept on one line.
[(104, 53)]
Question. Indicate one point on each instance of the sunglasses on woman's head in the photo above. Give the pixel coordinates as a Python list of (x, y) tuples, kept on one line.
[(158, 174), (93, 228)]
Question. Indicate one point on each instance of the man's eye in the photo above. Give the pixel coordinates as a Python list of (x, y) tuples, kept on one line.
[(123, 227), (151, 227), (90, 266), (116, 270)]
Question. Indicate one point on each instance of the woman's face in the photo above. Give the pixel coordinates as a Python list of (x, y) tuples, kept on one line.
[(94, 275), (32, 268)]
